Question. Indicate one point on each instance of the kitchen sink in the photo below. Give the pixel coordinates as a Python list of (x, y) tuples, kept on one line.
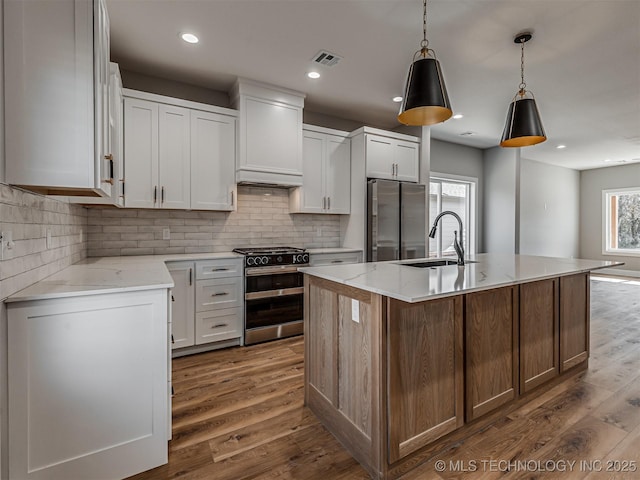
[(433, 263)]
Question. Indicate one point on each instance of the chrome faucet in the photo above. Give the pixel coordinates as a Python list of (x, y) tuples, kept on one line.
[(457, 239)]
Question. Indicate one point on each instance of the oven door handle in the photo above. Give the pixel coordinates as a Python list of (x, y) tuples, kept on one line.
[(274, 293), (257, 271)]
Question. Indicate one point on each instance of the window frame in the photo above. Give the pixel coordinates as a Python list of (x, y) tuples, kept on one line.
[(606, 223), (471, 246)]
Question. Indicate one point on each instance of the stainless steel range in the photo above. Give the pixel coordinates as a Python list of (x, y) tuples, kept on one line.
[(274, 298)]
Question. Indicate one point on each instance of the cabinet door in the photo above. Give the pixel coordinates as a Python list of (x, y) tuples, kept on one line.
[(407, 159), (213, 161), (174, 165), (574, 320), (338, 174), (101, 69), (116, 126), (182, 304), (312, 197), (538, 333), (425, 372), (273, 137), (491, 350), (140, 153), (48, 94), (380, 157)]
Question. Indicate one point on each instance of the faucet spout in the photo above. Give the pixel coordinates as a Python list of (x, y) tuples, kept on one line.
[(457, 238)]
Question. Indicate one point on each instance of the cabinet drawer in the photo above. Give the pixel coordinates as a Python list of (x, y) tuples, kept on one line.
[(219, 268), (319, 259), (218, 293), (218, 325)]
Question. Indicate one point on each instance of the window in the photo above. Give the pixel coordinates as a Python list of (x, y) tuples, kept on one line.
[(621, 230), (458, 194)]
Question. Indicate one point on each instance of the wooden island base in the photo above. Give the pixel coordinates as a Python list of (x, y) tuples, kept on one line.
[(396, 383)]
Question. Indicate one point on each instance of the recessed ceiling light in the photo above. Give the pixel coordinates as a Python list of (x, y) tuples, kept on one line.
[(458, 116), (397, 99), (560, 147), (313, 75), (189, 37)]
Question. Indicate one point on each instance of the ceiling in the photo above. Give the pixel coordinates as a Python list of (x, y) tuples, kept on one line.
[(583, 63)]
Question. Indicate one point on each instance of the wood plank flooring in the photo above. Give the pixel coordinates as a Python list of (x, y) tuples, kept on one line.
[(238, 414)]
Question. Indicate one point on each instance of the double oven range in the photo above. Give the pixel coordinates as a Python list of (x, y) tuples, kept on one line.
[(274, 292)]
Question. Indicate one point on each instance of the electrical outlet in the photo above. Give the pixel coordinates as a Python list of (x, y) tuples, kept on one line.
[(319, 231), (48, 237), (6, 244), (80, 239), (166, 234)]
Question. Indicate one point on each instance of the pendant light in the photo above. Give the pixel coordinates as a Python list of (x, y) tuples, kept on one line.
[(523, 127), (425, 100)]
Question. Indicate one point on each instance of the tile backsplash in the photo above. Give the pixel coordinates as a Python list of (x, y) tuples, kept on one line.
[(262, 218), (31, 258)]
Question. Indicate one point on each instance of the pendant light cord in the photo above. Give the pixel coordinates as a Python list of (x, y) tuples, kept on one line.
[(523, 85), (424, 44)]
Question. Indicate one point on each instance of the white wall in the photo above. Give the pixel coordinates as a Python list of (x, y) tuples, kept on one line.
[(453, 159), (1, 93), (501, 196), (592, 182), (549, 210)]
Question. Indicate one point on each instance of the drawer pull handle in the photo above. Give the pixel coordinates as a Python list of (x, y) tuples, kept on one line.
[(172, 339), (218, 325), (219, 294), (219, 269), (336, 261)]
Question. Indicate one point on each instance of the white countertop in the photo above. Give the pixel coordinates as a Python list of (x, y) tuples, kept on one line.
[(98, 275), (411, 284)]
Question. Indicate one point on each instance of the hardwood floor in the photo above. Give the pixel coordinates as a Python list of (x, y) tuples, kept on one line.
[(239, 414)]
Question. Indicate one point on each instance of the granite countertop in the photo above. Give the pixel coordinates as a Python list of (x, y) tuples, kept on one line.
[(411, 284), (98, 275)]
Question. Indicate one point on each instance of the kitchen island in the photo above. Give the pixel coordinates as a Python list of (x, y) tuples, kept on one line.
[(401, 361)]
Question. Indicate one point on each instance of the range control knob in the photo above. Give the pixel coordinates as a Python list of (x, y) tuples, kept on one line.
[(265, 260), (251, 261), (279, 259), (305, 258)]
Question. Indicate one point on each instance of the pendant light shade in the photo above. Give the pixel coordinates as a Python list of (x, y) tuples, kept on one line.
[(523, 126), (425, 100)]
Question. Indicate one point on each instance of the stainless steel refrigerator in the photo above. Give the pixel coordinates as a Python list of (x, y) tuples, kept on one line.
[(395, 220)]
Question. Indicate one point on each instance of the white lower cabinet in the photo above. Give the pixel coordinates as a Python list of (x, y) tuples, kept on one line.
[(208, 303), (88, 386), (182, 304)]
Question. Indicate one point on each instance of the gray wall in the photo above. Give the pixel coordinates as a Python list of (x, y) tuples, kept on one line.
[(501, 196), (592, 182), (171, 88), (454, 159), (549, 210)]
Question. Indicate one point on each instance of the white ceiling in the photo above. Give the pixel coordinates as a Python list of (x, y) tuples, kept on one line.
[(583, 63)]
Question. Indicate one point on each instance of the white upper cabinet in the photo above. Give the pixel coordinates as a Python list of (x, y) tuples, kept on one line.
[(327, 173), (140, 153), (392, 156), (176, 155), (56, 96), (270, 134), (116, 125), (213, 153)]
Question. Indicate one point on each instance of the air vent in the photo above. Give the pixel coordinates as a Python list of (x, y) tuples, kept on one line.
[(326, 59)]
